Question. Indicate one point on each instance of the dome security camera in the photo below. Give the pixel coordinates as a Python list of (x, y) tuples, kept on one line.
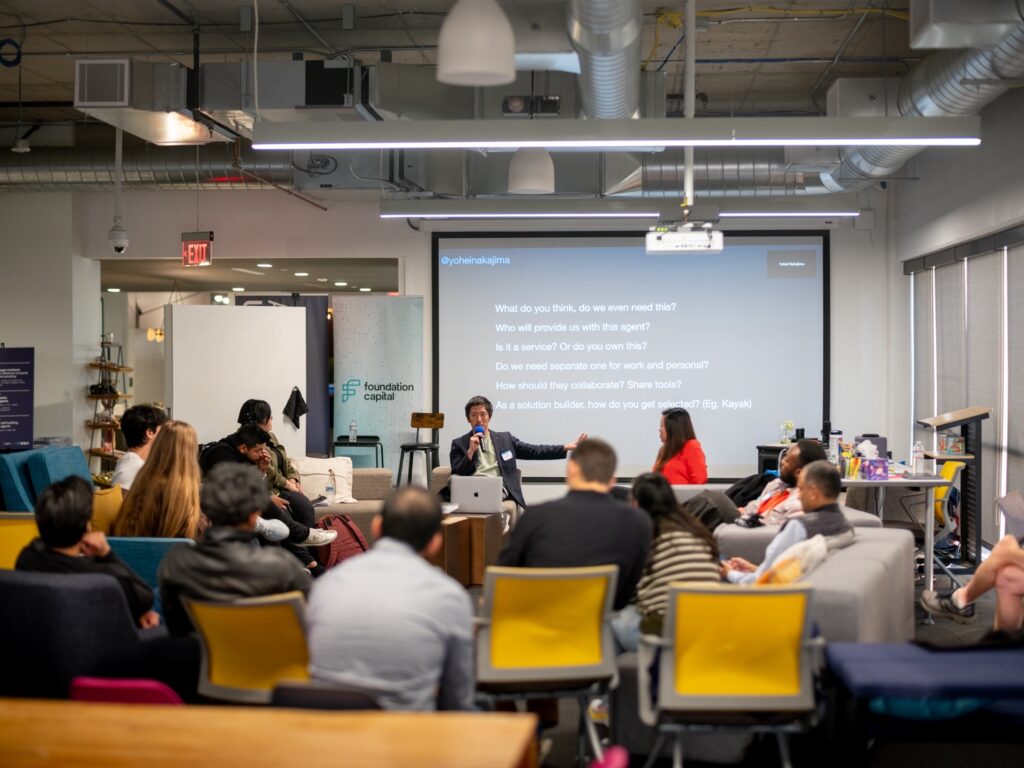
[(118, 238)]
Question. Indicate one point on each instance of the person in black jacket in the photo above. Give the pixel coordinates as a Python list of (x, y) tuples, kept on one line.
[(484, 452), (248, 446), (587, 526), (225, 564), (67, 545)]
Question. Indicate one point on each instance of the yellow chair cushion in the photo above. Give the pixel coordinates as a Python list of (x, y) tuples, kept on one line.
[(739, 645), (539, 623), (106, 503)]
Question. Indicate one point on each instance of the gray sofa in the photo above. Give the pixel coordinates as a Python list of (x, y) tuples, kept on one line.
[(370, 486), (862, 593)]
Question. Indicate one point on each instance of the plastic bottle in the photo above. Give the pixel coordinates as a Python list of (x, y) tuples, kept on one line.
[(332, 485), (834, 439), (917, 458), (352, 431)]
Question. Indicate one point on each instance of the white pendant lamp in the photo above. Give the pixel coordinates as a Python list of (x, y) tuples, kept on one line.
[(476, 46), (531, 172)]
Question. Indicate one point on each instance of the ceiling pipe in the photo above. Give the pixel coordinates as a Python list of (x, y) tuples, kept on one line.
[(606, 35), (945, 84), (54, 168)]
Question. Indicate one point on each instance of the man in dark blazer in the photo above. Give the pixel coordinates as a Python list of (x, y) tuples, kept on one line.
[(486, 453)]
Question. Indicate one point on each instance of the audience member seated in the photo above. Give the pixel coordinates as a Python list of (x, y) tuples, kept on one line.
[(226, 563), (164, 498), (389, 623), (819, 485), (780, 499), (282, 476), (1002, 571), (67, 545), (683, 550), (483, 452), (139, 425), (587, 526), (680, 459), (248, 447)]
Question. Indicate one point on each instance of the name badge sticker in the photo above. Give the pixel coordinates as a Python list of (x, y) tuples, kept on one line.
[(506, 455)]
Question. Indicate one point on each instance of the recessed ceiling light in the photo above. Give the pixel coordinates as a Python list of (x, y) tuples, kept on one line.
[(264, 265), (302, 274), (321, 279), (238, 290), (364, 290), (341, 285), (113, 290)]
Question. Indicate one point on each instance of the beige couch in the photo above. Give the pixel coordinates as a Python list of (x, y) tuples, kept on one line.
[(370, 486)]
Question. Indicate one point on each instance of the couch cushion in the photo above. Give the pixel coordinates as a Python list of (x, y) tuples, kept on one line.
[(314, 474), (16, 482), (106, 503), (751, 543), (53, 464), (369, 483)]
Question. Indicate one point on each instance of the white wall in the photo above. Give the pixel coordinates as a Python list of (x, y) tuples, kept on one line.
[(219, 357), (49, 299)]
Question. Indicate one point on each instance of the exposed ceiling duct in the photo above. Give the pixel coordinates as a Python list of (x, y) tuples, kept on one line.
[(719, 173), (606, 35), (945, 84), (76, 168)]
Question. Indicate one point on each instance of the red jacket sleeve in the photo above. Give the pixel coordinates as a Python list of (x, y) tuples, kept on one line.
[(688, 467)]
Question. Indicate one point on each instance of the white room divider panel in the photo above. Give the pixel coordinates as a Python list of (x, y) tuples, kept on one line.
[(219, 357)]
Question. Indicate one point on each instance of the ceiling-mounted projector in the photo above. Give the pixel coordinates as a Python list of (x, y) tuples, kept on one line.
[(685, 238)]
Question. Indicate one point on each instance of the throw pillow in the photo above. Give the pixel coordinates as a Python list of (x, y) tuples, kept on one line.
[(106, 503), (314, 475)]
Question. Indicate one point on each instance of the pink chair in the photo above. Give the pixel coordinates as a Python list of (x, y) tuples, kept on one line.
[(127, 691)]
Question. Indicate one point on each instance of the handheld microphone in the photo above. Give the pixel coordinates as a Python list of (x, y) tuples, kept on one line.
[(478, 430)]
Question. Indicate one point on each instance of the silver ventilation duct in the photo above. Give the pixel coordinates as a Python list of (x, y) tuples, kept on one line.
[(606, 35), (719, 173), (945, 84), (76, 168)]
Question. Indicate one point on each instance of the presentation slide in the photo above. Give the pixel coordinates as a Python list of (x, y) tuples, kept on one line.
[(591, 334)]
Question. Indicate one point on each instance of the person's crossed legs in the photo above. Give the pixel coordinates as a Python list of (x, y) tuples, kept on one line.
[(1002, 571)]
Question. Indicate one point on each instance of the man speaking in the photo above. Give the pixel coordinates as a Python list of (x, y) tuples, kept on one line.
[(485, 453)]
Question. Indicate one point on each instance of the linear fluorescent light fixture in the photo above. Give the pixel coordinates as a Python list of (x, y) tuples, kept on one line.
[(788, 214), (621, 135), (518, 209)]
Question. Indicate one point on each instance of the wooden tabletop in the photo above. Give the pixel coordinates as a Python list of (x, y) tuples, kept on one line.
[(85, 735)]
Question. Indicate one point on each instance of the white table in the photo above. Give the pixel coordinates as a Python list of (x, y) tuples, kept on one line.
[(929, 483)]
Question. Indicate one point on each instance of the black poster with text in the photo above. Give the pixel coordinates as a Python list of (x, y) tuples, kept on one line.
[(17, 390)]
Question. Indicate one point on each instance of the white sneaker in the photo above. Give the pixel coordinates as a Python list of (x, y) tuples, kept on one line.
[(318, 537), (271, 530)]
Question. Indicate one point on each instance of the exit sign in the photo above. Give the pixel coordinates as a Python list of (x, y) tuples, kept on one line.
[(196, 249)]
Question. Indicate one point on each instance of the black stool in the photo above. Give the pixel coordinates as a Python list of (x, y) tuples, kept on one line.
[(433, 422)]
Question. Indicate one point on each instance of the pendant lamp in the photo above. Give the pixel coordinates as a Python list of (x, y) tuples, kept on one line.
[(531, 172), (476, 46)]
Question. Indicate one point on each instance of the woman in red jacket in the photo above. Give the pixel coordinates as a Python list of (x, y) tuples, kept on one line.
[(681, 459)]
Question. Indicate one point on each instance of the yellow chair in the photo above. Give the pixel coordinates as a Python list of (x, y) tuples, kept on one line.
[(17, 529), (250, 645), (106, 504), (944, 522), (732, 658), (546, 633)]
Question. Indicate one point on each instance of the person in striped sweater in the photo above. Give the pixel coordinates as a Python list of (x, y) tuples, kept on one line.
[(683, 550)]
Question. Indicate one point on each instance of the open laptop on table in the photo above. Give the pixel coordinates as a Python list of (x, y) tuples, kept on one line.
[(476, 495)]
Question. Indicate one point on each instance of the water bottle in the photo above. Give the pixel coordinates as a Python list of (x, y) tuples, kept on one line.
[(917, 459), (352, 431), (834, 439), (332, 485)]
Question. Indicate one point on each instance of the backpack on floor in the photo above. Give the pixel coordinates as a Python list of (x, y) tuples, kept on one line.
[(350, 541)]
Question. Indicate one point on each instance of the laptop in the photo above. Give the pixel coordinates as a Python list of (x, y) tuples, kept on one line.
[(476, 495), (1012, 507)]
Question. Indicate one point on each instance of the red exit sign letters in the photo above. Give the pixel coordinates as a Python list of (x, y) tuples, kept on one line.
[(196, 249)]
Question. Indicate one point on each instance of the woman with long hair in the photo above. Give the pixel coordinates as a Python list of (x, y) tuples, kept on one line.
[(164, 498), (680, 459), (683, 550)]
